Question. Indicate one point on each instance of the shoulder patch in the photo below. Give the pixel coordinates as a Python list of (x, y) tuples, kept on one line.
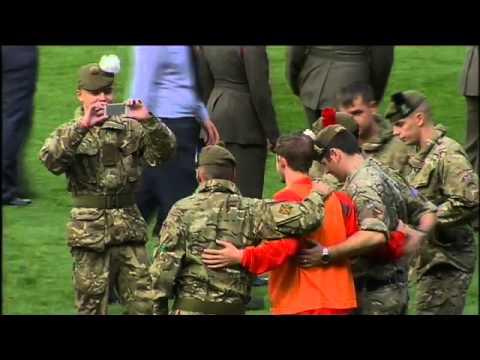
[(285, 209)]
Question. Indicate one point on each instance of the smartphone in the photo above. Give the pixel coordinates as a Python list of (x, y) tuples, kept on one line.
[(116, 109)]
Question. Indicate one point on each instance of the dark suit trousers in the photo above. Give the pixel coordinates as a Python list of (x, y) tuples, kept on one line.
[(250, 171), (18, 90), (472, 130), (312, 115), (175, 179)]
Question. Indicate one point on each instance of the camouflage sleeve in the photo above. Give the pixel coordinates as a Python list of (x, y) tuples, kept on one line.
[(417, 205), (167, 260), (278, 220), (371, 209), (158, 142), (58, 151), (459, 189)]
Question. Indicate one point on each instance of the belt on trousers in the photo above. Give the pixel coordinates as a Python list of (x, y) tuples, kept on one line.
[(104, 201), (206, 307), (241, 87), (333, 55), (370, 284)]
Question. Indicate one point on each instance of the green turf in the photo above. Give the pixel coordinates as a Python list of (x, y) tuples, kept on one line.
[(36, 261)]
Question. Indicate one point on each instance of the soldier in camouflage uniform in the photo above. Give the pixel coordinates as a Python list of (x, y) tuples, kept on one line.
[(375, 135), (102, 158), (382, 201), (317, 170), (441, 172), (217, 211)]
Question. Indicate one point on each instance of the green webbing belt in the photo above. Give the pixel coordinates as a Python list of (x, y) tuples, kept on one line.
[(104, 202)]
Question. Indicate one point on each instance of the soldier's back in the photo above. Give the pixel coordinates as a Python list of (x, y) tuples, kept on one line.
[(207, 217)]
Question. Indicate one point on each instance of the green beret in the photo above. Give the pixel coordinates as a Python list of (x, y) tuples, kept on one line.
[(341, 118), (216, 155), (92, 78), (403, 104), (325, 136)]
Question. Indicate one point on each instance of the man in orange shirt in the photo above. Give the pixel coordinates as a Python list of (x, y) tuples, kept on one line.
[(295, 290)]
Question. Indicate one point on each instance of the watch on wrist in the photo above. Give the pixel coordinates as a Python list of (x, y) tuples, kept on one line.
[(326, 257)]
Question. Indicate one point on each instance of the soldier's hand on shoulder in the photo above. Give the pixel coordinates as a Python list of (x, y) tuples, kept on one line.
[(137, 110)]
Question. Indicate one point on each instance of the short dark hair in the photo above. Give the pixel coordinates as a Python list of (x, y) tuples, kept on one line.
[(218, 172), (347, 95), (297, 149), (344, 141)]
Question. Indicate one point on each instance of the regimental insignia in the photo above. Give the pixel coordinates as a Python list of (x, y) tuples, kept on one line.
[(405, 109), (285, 209)]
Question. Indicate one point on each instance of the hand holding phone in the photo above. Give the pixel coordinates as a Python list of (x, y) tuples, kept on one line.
[(119, 109), (137, 110)]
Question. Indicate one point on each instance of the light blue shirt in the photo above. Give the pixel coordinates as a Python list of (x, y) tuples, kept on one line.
[(164, 80)]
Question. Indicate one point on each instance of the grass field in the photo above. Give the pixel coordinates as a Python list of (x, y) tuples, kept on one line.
[(36, 261)]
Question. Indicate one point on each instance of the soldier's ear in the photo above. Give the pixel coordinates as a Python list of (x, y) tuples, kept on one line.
[(79, 95), (282, 162), (420, 119)]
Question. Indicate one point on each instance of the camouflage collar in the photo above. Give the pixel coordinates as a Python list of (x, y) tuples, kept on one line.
[(217, 185), (369, 161), (417, 160), (379, 141)]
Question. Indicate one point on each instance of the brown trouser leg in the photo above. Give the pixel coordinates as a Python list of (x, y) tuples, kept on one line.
[(472, 130), (250, 171)]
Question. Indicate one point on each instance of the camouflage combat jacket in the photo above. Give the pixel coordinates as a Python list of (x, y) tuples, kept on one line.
[(106, 160), (217, 211), (388, 149), (382, 199), (442, 173)]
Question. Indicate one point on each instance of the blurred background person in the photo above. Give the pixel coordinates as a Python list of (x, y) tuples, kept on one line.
[(469, 89), (19, 77), (237, 90), (165, 78), (316, 73)]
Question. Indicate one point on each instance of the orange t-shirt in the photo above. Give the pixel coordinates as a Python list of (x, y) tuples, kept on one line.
[(294, 289)]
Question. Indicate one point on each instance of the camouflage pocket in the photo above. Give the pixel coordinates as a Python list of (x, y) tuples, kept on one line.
[(87, 282), (127, 225), (85, 169), (87, 229), (130, 161), (423, 181)]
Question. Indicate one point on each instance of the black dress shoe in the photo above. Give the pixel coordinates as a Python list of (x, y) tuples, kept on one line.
[(18, 202)]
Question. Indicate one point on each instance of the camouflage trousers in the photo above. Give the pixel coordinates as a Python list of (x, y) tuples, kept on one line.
[(386, 300), (442, 290), (125, 265)]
